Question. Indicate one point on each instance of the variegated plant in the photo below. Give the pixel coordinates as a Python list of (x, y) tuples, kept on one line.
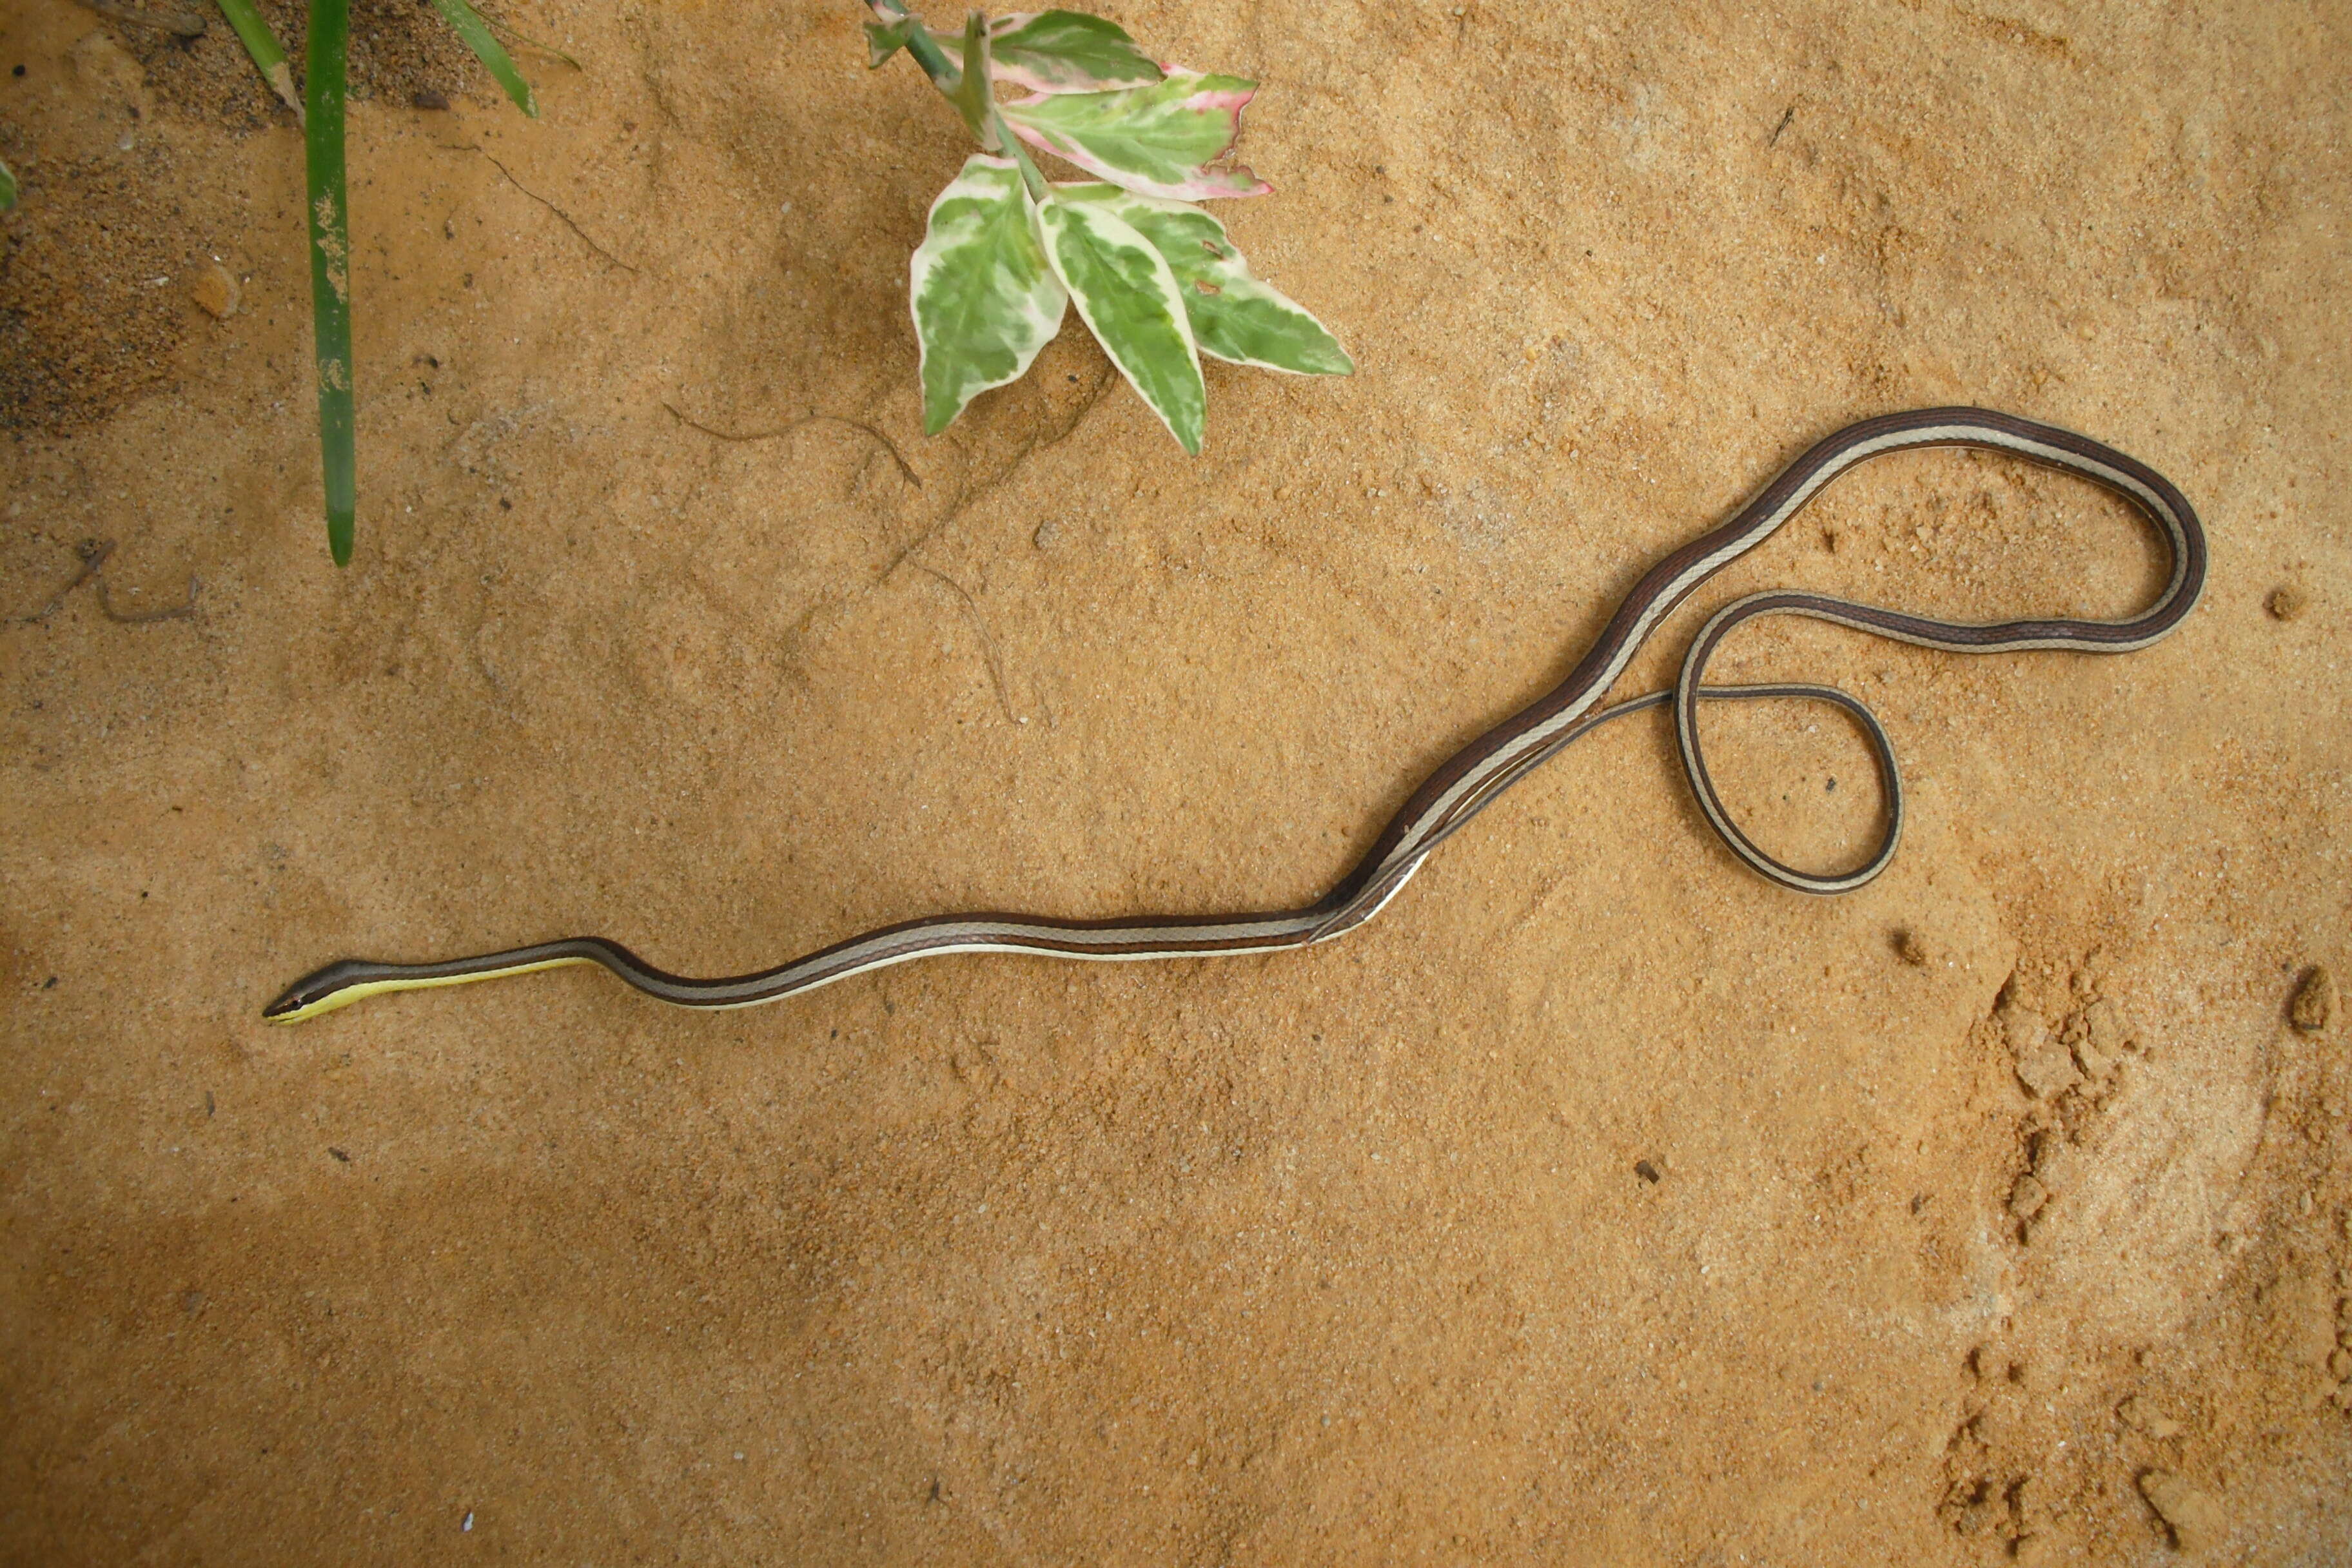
[(1155, 277)]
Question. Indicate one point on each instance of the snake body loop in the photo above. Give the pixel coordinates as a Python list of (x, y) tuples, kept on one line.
[(1474, 777)]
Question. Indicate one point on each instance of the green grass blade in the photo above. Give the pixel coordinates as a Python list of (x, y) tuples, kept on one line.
[(331, 267), (7, 189), (259, 42), (489, 51), (505, 31)]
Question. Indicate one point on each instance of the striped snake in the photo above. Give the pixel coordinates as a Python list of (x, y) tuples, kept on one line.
[(1471, 780)]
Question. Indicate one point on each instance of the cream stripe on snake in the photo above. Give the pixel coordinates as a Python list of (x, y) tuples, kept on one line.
[(1477, 774)]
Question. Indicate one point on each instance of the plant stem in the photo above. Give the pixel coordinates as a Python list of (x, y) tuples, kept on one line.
[(946, 75), (935, 64), (944, 72), (1029, 174), (331, 267)]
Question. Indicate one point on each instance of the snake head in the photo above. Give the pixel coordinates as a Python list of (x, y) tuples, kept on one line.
[(337, 986)]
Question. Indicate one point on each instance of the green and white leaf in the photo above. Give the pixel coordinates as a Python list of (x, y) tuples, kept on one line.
[(1158, 140), (985, 298), (1127, 295), (7, 189), (884, 39), (1064, 51), (1235, 315)]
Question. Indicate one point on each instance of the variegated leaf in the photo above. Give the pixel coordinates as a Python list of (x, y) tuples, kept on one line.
[(1235, 315), (1158, 140), (884, 39), (1064, 51), (1127, 295), (984, 298)]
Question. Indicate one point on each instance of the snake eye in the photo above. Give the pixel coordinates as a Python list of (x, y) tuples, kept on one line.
[(293, 1001)]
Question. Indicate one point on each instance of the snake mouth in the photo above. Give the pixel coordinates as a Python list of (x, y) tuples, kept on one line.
[(291, 1003)]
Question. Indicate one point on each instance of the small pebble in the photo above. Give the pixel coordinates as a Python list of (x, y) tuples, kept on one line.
[(1909, 948), (2287, 603), (2045, 1067), (2103, 1035), (428, 98), (1048, 534), (1647, 1170), (215, 291), (468, 1523), (2314, 1000), (2026, 1198)]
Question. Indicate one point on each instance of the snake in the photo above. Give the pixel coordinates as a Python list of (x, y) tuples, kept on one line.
[(1475, 776)]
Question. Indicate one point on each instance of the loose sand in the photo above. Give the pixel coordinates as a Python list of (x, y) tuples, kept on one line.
[(1598, 1205)]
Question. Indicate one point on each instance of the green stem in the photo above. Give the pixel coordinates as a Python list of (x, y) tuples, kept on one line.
[(1029, 174), (944, 72), (330, 267), (946, 77)]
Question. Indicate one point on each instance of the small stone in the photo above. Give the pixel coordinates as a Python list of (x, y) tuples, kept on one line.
[(2054, 1161), (2339, 1364), (1975, 1519), (2092, 972), (2314, 1000), (2143, 1417), (2103, 1024), (2043, 1065), (2095, 1040), (427, 98), (2193, 1515), (2026, 1198), (1048, 534), (2287, 603), (1910, 949), (1648, 1171), (215, 291)]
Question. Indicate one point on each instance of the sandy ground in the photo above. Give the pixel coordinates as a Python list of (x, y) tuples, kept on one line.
[(667, 623)]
